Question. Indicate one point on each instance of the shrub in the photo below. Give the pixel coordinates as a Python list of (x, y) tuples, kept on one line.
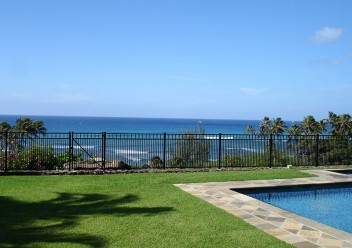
[(65, 158), (191, 149), (176, 162), (36, 157), (230, 161), (2, 160), (155, 162)]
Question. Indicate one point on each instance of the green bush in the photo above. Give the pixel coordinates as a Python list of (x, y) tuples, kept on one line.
[(155, 162), (65, 158), (231, 161), (176, 162), (191, 149), (36, 157), (2, 160)]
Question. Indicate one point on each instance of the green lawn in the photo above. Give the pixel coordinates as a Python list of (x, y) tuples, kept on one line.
[(133, 210)]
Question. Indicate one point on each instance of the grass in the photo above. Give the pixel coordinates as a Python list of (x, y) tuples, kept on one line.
[(133, 210)]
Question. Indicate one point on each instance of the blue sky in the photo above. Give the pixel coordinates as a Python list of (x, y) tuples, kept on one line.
[(178, 58)]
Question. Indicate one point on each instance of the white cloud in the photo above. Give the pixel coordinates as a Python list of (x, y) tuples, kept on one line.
[(182, 78), (72, 98), (252, 91), (63, 86), (326, 62), (326, 35), (332, 61), (341, 87), (66, 98), (18, 95)]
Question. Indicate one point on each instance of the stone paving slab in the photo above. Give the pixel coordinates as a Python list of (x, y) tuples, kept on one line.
[(289, 227)]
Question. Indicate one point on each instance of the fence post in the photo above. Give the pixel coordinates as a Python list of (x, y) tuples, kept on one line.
[(317, 151), (6, 135), (270, 150), (164, 152), (219, 161), (103, 147), (70, 153)]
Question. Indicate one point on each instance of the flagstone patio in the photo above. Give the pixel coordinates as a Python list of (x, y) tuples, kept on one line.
[(287, 226)]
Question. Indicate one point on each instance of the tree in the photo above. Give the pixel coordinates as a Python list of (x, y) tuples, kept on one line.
[(24, 128), (191, 148), (332, 120), (277, 126), (343, 124), (39, 128), (28, 127), (321, 126), (309, 125), (4, 127), (294, 131), (264, 126), (250, 130)]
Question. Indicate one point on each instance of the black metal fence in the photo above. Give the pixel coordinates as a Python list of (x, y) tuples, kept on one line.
[(71, 151)]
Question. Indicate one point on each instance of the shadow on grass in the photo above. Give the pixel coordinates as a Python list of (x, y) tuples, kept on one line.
[(23, 223)]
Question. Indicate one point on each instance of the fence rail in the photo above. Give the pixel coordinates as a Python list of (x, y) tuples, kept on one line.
[(71, 151)]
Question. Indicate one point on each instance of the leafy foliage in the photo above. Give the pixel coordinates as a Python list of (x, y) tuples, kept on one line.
[(155, 162), (17, 136), (35, 157), (38, 157), (306, 141), (191, 149)]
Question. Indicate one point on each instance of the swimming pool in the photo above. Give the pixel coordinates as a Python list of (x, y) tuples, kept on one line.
[(330, 204), (342, 171), (292, 228)]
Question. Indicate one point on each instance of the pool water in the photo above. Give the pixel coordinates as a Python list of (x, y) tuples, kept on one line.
[(346, 172), (328, 204)]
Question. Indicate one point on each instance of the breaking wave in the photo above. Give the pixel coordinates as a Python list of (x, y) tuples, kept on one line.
[(74, 147), (124, 151)]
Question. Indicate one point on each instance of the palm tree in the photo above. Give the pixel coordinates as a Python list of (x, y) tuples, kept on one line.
[(294, 131), (309, 125), (39, 128), (250, 129), (344, 124), (24, 126), (264, 126), (23, 129), (332, 120), (278, 126), (5, 127), (28, 127), (321, 126)]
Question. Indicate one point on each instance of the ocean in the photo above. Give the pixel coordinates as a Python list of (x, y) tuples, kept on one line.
[(136, 140), (135, 125)]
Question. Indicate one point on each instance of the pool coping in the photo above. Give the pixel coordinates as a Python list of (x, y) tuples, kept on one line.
[(289, 227)]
